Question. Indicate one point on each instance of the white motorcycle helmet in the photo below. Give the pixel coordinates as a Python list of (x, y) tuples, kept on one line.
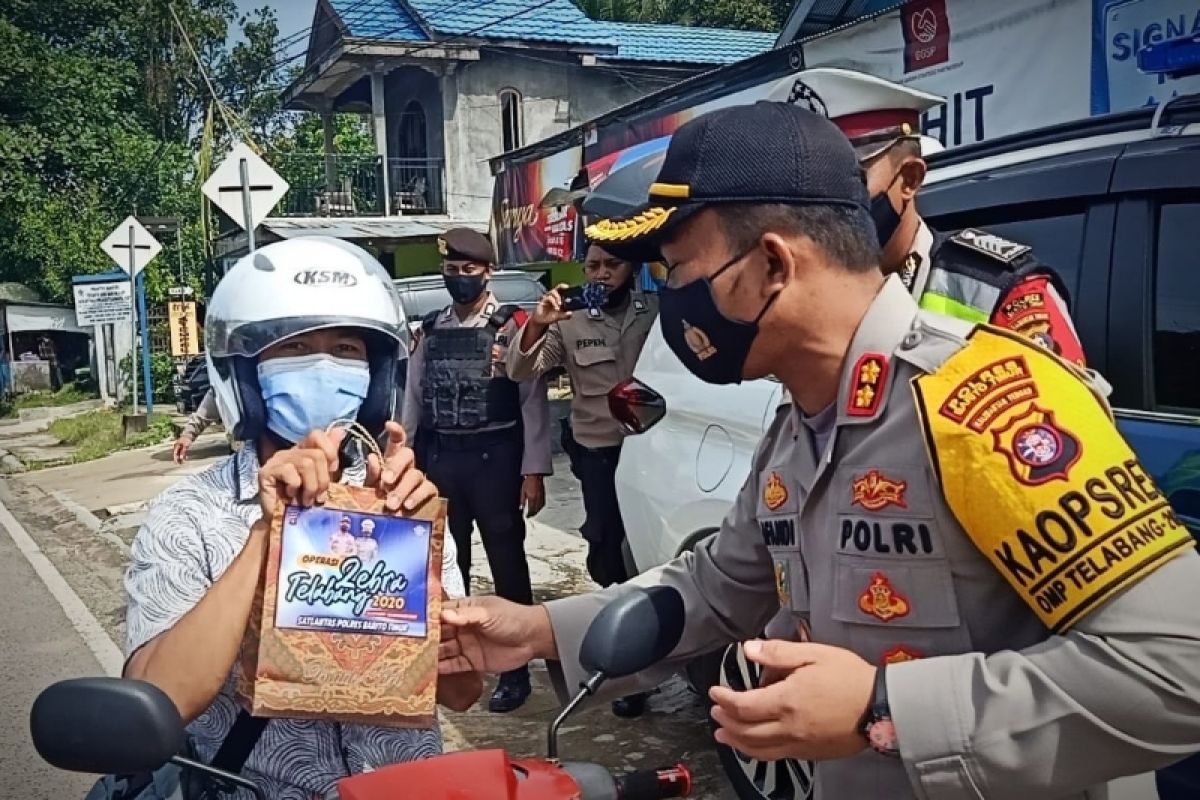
[(293, 287)]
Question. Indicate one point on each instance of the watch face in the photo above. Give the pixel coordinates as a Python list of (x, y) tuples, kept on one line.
[(882, 736)]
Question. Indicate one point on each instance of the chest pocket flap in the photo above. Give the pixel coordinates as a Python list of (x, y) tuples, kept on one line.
[(599, 368)]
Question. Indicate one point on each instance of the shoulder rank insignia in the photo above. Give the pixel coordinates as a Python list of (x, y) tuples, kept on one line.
[(867, 382), (989, 244)]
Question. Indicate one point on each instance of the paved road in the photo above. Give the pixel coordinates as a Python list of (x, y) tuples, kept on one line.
[(40, 647)]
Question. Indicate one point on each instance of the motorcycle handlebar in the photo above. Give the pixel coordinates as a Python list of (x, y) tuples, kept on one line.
[(655, 784)]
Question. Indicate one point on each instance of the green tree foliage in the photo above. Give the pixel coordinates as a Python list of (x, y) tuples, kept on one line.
[(101, 104), (760, 15)]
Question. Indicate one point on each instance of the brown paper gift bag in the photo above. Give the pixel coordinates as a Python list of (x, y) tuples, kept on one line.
[(345, 625)]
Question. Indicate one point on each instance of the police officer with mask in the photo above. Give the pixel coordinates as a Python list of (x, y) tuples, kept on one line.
[(973, 275), (1001, 601), (482, 437), (599, 346)]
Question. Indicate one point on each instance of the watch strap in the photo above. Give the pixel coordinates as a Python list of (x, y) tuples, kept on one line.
[(880, 730)]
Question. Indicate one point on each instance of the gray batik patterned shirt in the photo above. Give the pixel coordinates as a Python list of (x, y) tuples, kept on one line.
[(192, 533)]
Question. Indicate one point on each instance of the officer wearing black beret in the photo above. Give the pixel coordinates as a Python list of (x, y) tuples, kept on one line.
[(482, 438)]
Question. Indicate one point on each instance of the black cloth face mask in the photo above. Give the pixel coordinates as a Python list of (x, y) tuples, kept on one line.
[(711, 345), (465, 289), (884, 215)]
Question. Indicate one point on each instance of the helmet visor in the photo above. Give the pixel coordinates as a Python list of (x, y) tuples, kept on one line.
[(248, 338)]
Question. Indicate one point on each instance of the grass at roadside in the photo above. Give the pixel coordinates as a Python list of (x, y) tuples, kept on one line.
[(98, 433), (68, 395)]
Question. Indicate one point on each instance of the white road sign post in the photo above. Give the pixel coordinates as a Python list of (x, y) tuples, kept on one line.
[(245, 188), (132, 247)]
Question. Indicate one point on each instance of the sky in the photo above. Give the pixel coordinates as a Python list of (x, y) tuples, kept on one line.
[(293, 15)]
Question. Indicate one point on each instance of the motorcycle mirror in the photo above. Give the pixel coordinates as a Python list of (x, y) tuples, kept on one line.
[(637, 629), (105, 725)]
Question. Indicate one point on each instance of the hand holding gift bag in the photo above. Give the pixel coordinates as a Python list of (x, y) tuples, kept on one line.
[(346, 625)]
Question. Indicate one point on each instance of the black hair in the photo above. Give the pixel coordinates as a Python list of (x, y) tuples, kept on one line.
[(846, 235)]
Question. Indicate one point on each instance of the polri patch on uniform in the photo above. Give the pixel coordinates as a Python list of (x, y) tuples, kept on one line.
[(875, 491), (991, 245), (882, 600), (900, 654), (775, 493), (1069, 523), (867, 381)]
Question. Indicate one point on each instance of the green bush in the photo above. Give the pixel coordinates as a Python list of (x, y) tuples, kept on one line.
[(162, 374)]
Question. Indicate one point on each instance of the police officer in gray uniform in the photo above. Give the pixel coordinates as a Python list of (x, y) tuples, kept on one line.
[(1000, 601), (482, 438)]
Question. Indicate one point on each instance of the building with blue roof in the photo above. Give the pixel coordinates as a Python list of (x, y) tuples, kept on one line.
[(450, 84)]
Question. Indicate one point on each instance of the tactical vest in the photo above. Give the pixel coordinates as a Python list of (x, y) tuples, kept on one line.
[(461, 390), (972, 271)]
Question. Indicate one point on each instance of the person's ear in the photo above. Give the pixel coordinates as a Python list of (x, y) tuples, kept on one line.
[(912, 177), (783, 264)]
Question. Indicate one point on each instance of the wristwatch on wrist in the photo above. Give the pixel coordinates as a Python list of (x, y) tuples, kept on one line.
[(877, 725)]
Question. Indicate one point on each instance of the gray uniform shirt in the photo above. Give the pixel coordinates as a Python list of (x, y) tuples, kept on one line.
[(205, 414), (192, 533), (987, 702), (599, 350), (535, 405)]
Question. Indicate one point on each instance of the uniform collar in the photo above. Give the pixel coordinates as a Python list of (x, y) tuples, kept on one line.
[(915, 270), (489, 307), (867, 374)]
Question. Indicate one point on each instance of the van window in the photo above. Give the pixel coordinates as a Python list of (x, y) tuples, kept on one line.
[(1177, 309), (1057, 241)]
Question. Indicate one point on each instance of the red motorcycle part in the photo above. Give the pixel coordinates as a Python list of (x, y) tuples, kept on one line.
[(467, 775)]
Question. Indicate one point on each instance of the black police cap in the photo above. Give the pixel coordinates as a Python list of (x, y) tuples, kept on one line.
[(464, 244), (764, 153)]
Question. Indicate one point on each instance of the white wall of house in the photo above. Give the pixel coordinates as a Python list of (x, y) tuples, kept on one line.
[(554, 96)]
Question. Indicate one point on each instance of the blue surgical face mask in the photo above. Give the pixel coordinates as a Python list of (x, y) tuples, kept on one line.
[(307, 393)]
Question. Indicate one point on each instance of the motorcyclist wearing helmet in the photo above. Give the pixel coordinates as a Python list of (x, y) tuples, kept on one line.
[(300, 334)]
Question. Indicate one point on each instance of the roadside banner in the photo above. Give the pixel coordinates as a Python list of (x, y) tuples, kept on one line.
[(532, 217)]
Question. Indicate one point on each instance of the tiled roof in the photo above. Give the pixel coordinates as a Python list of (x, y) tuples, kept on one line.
[(526, 20), (681, 43), (378, 19), (551, 21)]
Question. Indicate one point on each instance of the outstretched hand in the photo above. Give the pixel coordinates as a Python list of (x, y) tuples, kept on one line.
[(490, 634)]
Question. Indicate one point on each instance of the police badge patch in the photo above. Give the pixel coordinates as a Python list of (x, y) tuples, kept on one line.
[(1038, 449)]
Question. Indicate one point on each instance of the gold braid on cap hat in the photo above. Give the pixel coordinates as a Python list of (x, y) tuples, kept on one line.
[(610, 230)]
